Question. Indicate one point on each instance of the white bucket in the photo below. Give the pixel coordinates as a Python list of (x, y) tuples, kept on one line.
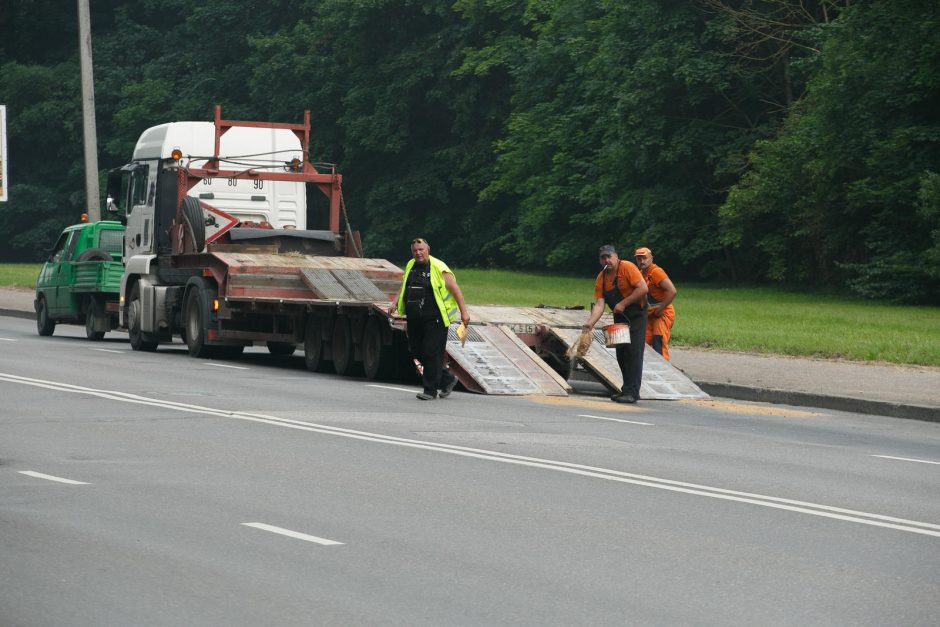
[(617, 334)]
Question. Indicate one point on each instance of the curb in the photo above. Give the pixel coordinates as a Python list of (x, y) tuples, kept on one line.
[(18, 313), (821, 401)]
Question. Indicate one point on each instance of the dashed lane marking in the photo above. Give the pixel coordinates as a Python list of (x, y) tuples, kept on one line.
[(292, 534), (907, 459), (39, 475), (632, 422)]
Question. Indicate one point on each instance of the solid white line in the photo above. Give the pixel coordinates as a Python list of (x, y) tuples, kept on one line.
[(907, 459), (209, 363), (804, 507), (632, 422), (39, 475), (292, 534), (108, 350), (388, 387)]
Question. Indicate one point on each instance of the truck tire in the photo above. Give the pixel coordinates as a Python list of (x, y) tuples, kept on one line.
[(94, 254), (313, 344), (281, 349), (139, 339), (378, 358), (44, 324), (342, 347), (195, 222), (195, 317), (93, 313)]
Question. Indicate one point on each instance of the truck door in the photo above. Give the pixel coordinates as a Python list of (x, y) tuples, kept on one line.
[(136, 200), (58, 273)]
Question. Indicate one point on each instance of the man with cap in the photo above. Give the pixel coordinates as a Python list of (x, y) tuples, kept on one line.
[(621, 287), (661, 313)]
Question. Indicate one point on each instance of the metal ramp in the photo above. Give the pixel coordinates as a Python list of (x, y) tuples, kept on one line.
[(494, 361), (661, 380)]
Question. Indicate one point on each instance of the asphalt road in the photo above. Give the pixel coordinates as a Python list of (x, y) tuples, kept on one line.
[(157, 489)]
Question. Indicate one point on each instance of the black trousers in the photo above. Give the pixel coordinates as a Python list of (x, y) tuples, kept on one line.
[(630, 356), (427, 341)]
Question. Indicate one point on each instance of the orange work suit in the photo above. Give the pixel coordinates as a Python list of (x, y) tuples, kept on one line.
[(658, 325)]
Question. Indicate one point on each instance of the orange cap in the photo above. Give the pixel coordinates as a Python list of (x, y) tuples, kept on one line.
[(642, 252)]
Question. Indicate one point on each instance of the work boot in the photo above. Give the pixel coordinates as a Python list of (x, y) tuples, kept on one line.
[(624, 398), (449, 387), (425, 396)]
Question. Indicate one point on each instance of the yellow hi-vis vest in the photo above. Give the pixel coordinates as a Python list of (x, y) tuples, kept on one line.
[(444, 299)]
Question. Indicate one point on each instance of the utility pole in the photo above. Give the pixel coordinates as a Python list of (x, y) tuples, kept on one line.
[(90, 135)]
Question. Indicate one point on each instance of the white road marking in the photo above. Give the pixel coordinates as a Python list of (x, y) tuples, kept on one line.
[(907, 459), (6, 339), (108, 350), (389, 387), (632, 422), (292, 534), (209, 363), (803, 507), (39, 475)]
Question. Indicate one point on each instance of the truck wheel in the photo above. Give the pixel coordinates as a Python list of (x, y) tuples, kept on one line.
[(94, 254), (195, 222), (313, 344), (134, 333), (197, 314), (342, 346), (378, 359), (281, 349), (93, 313), (44, 324)]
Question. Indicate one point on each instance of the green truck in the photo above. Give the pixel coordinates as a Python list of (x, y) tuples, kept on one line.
[(80, 281)]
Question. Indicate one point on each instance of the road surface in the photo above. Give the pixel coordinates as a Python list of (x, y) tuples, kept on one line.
[(158, 489)]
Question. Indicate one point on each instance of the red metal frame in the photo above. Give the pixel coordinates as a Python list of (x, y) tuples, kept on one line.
[(330, 184)]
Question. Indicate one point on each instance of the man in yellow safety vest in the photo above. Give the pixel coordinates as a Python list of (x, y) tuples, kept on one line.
[(430, 299)]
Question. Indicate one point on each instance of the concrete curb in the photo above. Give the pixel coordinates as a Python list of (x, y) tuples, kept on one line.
[(18, 313), (821, 401)]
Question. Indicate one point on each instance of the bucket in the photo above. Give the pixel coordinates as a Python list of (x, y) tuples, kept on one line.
[(617, 334)]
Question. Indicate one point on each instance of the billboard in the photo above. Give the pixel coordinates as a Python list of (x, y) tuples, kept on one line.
[(3, 153)]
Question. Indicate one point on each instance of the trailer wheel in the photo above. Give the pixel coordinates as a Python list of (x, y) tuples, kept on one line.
[(378, 358), (342, 347), (196, 316), (93, 313), (134, 333), (281, 349), (44, 324), (195, 222), (313, 344)]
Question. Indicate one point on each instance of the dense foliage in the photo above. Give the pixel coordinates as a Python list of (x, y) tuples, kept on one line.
[(794, 141)]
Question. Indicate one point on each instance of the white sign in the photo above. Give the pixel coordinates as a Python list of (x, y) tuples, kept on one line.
[(4, 181)]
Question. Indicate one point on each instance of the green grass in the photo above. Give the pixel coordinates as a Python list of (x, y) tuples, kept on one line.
[(753, 319), (19, 274), (761, 320)]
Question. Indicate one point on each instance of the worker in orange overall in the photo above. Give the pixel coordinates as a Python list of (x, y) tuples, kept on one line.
[(662, 292)]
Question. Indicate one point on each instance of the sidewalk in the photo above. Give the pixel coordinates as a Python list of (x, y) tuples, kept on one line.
[(881, 389)]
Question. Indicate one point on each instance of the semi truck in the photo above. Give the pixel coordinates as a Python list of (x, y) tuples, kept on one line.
[(217, 250)]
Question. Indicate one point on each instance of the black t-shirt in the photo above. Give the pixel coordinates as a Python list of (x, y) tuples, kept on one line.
[(419, 299)]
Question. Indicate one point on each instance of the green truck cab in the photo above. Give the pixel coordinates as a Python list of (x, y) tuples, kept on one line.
[(80, 281)]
